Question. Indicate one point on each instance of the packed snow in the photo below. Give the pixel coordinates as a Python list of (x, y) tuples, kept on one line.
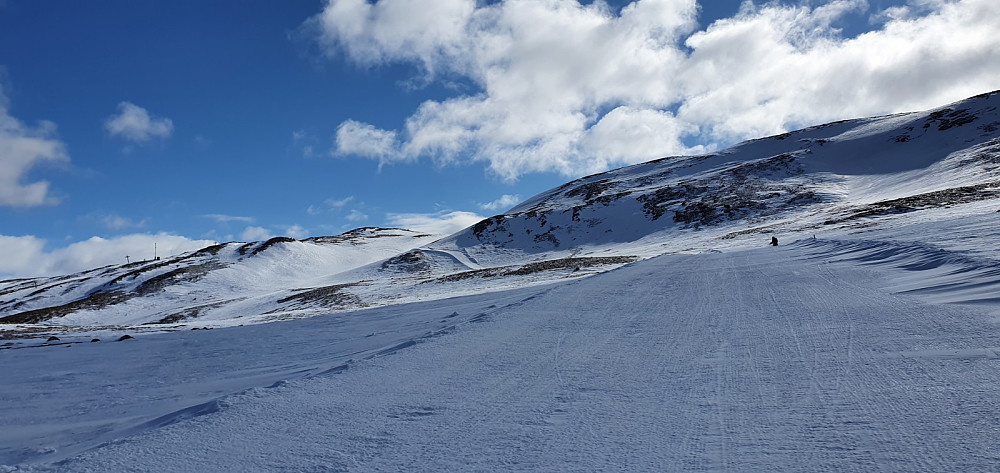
[(776, 359)]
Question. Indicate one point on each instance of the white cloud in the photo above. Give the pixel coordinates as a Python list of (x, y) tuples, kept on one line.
[(220, 218), (21, 149), (562, 86), (504, 202), (362, 139), (628, 134), (439, 223), (21, 256), (134, 124), (26, 256), (784, 75), (252, 233), (427, 31), (356, 216)]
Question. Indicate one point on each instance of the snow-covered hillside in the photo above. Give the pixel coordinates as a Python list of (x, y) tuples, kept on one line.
[(827, 179), (843, 174), (634, 320), (277, 278), (795, 358)]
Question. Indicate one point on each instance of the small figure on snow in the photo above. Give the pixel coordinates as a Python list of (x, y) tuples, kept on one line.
[(774, 241)]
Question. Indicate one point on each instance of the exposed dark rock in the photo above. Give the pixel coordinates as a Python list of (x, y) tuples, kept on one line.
[(327, 296), (209, 250), (539, 266), (269, 243), (949, 118), (591, 189), (480, 227), (411, 262), (359, 235), (124, 337), (189, 313), (96, 300), (941, 198), (179, 275), (739, 191)]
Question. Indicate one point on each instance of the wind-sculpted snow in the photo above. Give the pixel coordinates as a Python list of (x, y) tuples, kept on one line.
[(936, 274)]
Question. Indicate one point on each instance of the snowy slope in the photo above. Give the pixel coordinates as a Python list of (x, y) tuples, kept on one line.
[(805, 181), (764, 360), (226, 282), (632, 320)]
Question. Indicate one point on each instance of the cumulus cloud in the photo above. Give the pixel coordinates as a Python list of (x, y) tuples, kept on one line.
[(439, 223), (428, 31), (252, 233), (361, 139), (505, 201), (135, 124), (789, 70), (21, 149), (575, 88), (27, 256)]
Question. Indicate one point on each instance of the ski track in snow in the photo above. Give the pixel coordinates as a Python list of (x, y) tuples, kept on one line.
[(761, 360)]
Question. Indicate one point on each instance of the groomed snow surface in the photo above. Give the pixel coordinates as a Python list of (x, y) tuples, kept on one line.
[(804, 357)]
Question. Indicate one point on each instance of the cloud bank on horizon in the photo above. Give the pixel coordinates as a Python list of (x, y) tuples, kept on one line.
[(556, 85), (27, 255)]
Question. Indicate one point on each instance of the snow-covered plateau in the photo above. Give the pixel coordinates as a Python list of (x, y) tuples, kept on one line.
[(634, 320)]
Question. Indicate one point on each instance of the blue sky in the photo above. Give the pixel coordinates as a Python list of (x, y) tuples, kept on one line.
[(186, 122)]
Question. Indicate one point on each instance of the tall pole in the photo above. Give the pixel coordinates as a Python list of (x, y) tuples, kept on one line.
[(154, 251)]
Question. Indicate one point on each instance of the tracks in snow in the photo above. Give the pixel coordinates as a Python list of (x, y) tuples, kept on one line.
[(761, 360)]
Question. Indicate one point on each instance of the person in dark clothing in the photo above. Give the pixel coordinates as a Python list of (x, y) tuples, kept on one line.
[(774, 241)]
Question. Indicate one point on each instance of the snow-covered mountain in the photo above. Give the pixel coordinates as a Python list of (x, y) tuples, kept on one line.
[(842, 177), (632, 320), (812, 180)]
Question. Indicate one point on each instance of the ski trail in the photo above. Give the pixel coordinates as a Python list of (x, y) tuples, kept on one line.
[(765, 360)]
